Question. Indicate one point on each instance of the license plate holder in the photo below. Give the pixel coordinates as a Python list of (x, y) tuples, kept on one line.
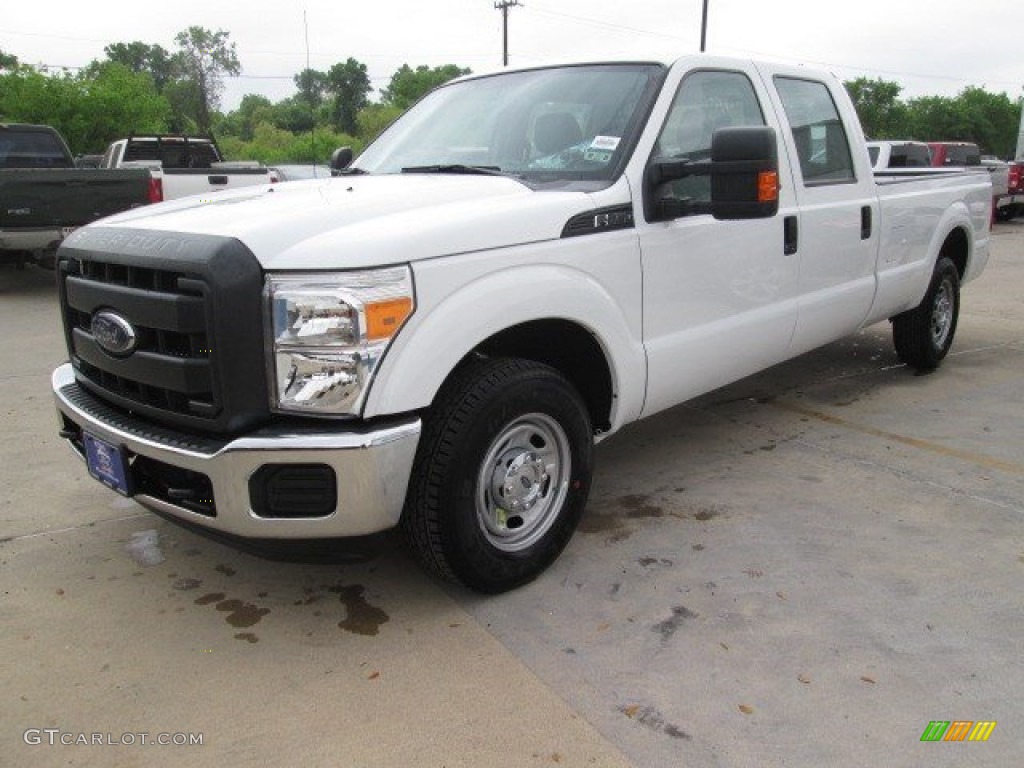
[(107, 463)]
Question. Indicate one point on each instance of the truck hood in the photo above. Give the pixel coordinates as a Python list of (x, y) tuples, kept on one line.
[(361, 221)]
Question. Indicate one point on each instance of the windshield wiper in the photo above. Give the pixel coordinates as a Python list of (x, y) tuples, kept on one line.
[(349, 172), (481, 170)]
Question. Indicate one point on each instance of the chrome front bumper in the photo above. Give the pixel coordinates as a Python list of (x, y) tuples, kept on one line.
[(371, 468)]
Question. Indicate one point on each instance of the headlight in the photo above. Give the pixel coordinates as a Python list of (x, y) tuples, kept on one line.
[(329, 332)]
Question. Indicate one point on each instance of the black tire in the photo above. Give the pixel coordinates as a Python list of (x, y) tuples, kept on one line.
[(501, 430), (923, 335)]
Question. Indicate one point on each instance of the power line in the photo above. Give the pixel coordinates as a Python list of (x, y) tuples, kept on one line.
[(762, 54), (580, 19), (606, 24)]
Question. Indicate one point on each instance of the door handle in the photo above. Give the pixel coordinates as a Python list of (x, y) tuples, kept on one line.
[(790, 235), (865, 222)]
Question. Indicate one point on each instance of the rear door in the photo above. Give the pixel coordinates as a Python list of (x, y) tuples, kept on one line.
[(836, 227)]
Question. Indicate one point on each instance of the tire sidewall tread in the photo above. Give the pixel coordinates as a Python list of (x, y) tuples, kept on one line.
[(911, 330), (440, 520)]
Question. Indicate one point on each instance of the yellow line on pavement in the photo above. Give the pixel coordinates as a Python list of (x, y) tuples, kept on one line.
[(914, 442)]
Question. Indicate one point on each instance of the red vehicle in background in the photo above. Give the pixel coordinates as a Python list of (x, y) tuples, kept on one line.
[(957, 154), (1015, 191)]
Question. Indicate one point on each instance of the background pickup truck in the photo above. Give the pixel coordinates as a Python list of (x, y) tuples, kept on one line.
[(521, 264), (1015, 190), (899, 154), (191, 165), (43, 196)]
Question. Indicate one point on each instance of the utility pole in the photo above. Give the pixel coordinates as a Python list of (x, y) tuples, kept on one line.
[(503, 6), (704, 28), (1019, 154)]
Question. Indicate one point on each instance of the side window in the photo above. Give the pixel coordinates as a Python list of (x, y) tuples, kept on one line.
[(820, 137), (705, 102)]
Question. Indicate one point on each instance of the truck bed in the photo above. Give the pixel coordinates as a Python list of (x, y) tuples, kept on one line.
[(68, 197)]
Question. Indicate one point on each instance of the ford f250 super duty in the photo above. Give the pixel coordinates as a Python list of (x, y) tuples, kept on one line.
[(43, 196), (524, 262)]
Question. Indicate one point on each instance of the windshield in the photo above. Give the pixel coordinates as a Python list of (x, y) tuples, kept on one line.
[(560, 124)]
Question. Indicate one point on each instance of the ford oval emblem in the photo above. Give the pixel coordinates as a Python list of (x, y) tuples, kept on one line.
[(113, 333)]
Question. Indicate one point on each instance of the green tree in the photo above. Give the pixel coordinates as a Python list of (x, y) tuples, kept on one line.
[(204, 59), (878, 105), (90, 109), (272, 145), (8, 61), (408, 85), (30, 96), (312, 85), (141, 57), (242, 123), (349, 86), (986, 119), (994, 120), (294, 114), (112, 104), (937, 118)]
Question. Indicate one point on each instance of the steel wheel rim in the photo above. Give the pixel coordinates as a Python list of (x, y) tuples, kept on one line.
[(522, 482), (942, 314)]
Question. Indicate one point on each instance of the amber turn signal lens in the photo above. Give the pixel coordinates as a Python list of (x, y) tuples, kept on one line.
[(384, 318), (767, 186)]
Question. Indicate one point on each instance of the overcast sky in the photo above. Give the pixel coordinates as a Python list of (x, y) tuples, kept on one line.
[(930, 47)]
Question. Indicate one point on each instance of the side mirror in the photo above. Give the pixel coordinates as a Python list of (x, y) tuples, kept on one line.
[(341, 158), (744, 175)]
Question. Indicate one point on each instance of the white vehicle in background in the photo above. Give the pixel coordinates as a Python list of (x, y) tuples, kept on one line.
[(899, 154), (191, 165), (523, 263)]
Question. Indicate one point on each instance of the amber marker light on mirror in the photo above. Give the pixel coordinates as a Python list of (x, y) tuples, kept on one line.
[(767, 187)]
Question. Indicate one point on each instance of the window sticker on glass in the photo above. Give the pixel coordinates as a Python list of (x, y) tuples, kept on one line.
[(597, 156), (609, 143)]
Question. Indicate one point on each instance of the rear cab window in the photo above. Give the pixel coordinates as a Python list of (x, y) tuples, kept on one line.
[(963, 154), (31, 149), (910, 156)]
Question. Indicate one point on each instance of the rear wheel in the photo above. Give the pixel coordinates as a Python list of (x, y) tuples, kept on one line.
[(501, 474), (923, 335)]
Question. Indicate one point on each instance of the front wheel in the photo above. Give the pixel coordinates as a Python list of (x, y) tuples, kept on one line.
[(923, 335), (501, 474)]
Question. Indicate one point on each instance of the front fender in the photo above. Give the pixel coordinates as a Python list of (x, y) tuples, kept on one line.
[(461, 303)]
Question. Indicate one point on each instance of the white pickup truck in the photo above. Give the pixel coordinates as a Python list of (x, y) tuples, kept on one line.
[(521, 264), (191, 165)]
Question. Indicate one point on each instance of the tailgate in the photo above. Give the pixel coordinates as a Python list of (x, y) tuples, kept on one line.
[(69, 198)]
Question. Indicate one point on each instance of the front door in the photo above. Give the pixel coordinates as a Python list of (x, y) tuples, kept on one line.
[(719, 296)]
